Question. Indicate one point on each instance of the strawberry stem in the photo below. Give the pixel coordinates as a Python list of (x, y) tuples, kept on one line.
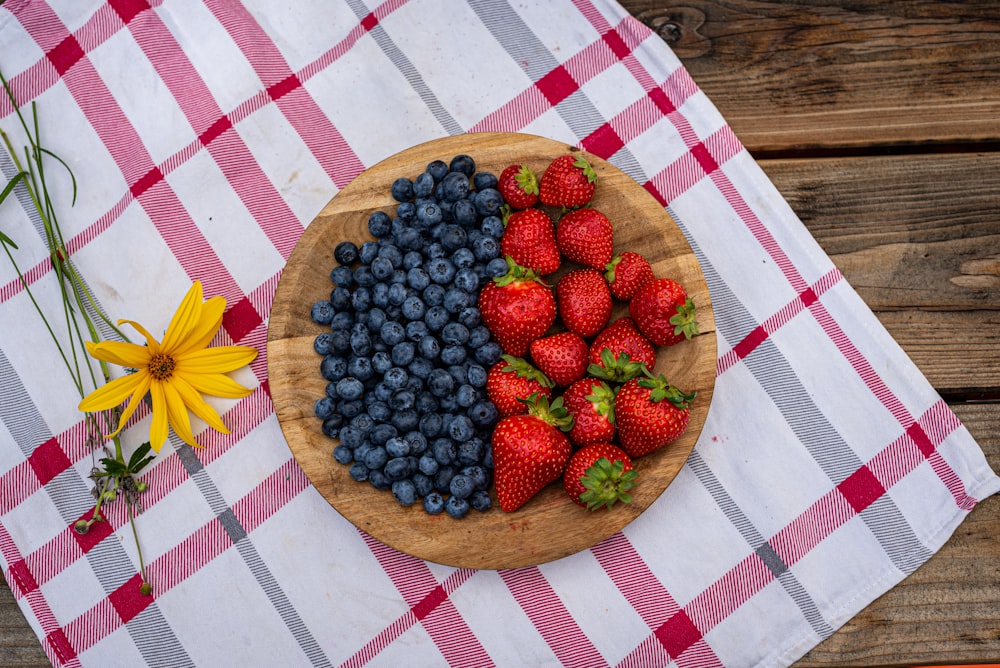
[(607, 483), (683, 321), (662, 390)]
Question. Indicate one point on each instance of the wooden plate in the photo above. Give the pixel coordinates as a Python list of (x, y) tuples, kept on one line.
[(549, 526)]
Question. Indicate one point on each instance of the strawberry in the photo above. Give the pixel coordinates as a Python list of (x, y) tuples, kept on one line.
[(568, 182), (650, 413), (586, 236), (519, 186), (529, 451), (598, 476), (562, 357), (663, 312), (584, 301), (620, 352), (517, 308), (529, 237), (626, 273), (592, 404), (512, 379)]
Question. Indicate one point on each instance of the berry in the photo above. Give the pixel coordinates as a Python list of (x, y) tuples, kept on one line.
[(626, 273), (586, 236), (568, 182), (598, 476), (513, 379), (584, 301), (519, 186), (561, 357), (650, 413), (517, 308), (663, 312), (530, 238), (592, 404)]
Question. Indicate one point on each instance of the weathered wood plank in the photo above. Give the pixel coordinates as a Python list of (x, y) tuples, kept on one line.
[(946, 611), (804, 74), (19, 647), (919, 238)]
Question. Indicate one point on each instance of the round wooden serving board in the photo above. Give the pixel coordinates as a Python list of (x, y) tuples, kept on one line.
[(550, 526)]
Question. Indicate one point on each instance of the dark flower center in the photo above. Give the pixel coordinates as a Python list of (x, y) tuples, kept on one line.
[(161, 366)]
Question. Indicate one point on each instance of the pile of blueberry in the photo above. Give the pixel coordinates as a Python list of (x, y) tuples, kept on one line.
[(406, 356)]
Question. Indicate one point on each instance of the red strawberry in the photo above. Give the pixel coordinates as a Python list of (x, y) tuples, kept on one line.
[(562, 357), (568, 182), (592, 404), (650, 413), (519, 186), (598, 476), (512, 379), (626, 273), (529, 237), (517, 308), (584, 301), (529, 451), (663, 313), (621, 352), (586, 236)]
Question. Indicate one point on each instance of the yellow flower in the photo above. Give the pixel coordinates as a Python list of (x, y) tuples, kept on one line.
[(175, 373)]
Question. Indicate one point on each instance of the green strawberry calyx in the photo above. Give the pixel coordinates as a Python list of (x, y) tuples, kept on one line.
[(603, 399), (588, 170), (553, 413), (616, 369), (516, 274), (662, 390), (606, 483), (527, 180), (683, 321), (522, 368), (609, 269)]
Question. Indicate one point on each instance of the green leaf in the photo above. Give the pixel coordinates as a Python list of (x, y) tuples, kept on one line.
[(136, 461)]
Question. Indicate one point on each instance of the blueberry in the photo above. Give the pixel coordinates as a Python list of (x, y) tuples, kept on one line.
[(478, 336), (453, 237), (476, 374), (478, 474), (463, 163), (496, 267), (433, 503), (346, 252), (433, 294), (420, 367), (401, 400), (378, 479), (392, 253), (416, 330), (486, 248), (430, 424), (322, 312), (361, 340), (396, 378), (458, 373), (428, 347), (363, 276), (333, 368), (381, 362), (456, 507), (433, 250), (358, 471), (404, 492), (484, 180), (361, 299), (463, 258), (466, 395), (397, 294), (488, 202), (471, 452), (324, 408), (489, 353), (321, 344), (483, 413), (422, 483), (405, 420), (480, 500), (461, 486), (398, 468), (360, 367), (376, 457), (441, 270), (343, 454), (331, 425), (350, 388), (454, 186), (429, 214), (381, 268), (454, 333), (444, 451), (381, 434), (392, 332), (413, 308), (369, 249), (406, 211), (363, 422), (437, 316), (463, 212), (457, 300), (423, 185), (411, 259), (428, 465), (380, 411), (416, 441), (442, 479), (403, 353), (378, 224), (461, 428), (470, 317), (453, 355), (493, 226), (402, 189), (350, 408), (418, 278), (440, 383)]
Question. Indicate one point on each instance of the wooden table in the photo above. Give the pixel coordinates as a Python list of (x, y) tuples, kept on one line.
[(879, 121)]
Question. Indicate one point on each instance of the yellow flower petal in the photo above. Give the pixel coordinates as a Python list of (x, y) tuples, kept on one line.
[(221, 359), (207, 327), (177, 414), (199, 406), (122, 354), (158, 429), (112, 394), (151, 342), (186, 318), (215, 384)]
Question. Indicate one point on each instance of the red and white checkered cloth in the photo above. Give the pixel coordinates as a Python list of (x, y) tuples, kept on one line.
[(205, 135)]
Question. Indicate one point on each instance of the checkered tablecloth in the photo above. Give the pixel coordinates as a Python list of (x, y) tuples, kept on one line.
[(205, 135)]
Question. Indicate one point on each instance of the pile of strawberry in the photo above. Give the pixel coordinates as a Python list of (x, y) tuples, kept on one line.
[(576, 392)]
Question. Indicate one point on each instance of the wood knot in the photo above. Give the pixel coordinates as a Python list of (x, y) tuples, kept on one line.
[(679, 27)]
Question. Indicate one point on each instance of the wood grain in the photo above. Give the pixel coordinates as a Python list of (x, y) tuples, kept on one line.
[(807, 75), (549, 526)]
